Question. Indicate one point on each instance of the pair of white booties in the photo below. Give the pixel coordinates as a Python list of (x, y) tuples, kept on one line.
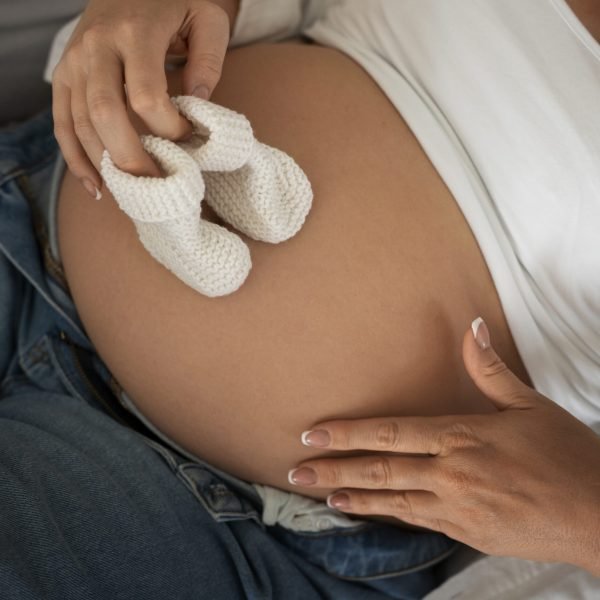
[(257, 189)]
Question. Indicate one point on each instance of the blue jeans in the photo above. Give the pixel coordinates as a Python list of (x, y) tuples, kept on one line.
[(93, 503)]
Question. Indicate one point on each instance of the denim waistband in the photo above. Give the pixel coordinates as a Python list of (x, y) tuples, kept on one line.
[(52, 351)]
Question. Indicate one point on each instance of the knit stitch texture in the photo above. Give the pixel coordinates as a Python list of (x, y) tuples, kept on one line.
[(257, 189), (166, 214)]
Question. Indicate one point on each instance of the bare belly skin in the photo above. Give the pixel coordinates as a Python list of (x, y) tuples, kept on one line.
[(361, 314)]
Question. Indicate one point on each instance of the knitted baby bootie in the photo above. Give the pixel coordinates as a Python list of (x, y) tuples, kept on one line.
[(258, 189), (166, 214)]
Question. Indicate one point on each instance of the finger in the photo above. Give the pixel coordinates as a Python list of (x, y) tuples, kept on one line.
[(410, 435), (423, 509), (207, 41), (490, 374), (147, 92), (108, 112), (437, 525), (392, 503), (64, 131), (368, 472), (84, 129)]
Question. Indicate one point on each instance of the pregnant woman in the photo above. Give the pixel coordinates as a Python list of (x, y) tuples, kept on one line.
[(453, 153)]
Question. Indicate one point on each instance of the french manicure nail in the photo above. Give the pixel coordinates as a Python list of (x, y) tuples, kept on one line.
[(91, 188), (481, 333), (338, 501), (201, 91), (319, 438), (302, 476)]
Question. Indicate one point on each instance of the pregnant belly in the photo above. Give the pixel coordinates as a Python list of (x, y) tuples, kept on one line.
[(361, 314)]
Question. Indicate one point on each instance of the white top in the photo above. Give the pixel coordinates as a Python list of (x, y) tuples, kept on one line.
[(503, 96)]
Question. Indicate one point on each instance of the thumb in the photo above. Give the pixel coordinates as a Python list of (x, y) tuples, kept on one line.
[(489, 373), (207, 41)]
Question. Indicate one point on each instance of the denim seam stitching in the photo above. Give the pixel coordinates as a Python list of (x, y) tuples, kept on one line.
[(42, 293), (20, 171), (66, 381), (164, 453), (40, 231), (414, 569)]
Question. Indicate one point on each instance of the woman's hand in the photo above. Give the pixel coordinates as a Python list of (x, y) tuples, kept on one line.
[(523, 482), (125, 42)]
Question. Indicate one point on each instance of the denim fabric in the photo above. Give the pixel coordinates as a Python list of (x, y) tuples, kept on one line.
[(97, 504)]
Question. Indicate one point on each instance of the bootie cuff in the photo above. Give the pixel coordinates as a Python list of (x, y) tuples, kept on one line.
[(154, 199), (222, 139)]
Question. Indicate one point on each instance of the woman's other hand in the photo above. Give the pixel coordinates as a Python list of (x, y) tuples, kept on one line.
[(117, 55), (523, 482)]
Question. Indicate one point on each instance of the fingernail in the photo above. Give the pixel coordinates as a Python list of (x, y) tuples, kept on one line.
[(302, 476), (91, 188), (201, 91), (319, 438), (481, 333), (339, 501)]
